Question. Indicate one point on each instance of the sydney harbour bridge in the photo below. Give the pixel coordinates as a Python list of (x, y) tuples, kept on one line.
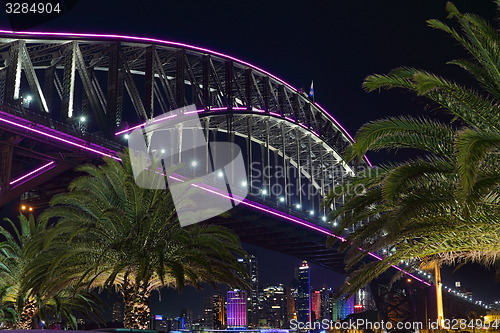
[(68, 99)]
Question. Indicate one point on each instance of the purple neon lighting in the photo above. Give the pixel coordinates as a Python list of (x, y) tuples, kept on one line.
[(296, 220), (159, 41), (236, 308), (343, 129), (170, 43), (30, 129), (127, 130), (31, 173), (145, 123), (145, 39)]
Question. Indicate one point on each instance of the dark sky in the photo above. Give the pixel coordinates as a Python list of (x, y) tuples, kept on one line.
[(335, 43)]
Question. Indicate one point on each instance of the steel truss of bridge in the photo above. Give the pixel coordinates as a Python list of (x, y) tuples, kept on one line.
[(49, 81)]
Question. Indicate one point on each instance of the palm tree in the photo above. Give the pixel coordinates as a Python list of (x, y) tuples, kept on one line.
[(18, 307), (111, 232), (443, 207), (13, 261)]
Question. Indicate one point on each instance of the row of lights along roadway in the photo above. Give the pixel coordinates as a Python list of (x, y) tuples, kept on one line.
[(264, 193)]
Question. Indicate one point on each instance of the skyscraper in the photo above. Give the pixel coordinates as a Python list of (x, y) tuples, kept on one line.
[(215, 312), (316, 305), (327, 303), (253, 300), (343, 307), (274, 306), (303, 303), (290, 304), (364, 300), (236, 308)]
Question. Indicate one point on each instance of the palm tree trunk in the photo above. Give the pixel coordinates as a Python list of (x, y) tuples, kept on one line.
[(136, 309), (26, 319)]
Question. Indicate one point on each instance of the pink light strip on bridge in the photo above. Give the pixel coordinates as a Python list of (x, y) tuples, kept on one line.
[(31, 173), (34, 130), (145, 123), (170, 43), (309, 225)]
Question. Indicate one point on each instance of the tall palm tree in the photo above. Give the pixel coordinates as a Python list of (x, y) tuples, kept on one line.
[(111, 232), (443, 207)]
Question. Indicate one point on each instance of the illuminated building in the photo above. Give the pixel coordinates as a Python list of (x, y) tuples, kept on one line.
[(363, 300), (492, 316), (236, 308), (253, 299), (315, 305), (215, 312), (274, 307), (303, 301), (342, 308), (290, 304), (327, 302)]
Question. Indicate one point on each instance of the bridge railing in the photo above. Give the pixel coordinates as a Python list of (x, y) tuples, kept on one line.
[(64, 127)]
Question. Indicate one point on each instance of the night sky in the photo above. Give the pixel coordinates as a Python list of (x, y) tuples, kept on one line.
[(335, 43)]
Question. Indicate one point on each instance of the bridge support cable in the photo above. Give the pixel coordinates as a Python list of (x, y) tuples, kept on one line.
[(180, 63), (164, 81), (149, 79), (239, 89), (13, 82), (90, 91), (267, 162), (248, 88), (311, 174), (333, 181), (48, 89), (220, 91), (113, 116), (197, 95), (132, 90), (266, 93), (33, 82), (285, 169), (68, 91), (249, 153), (228, 71), (205, 72), (260, 97), (299, 166), (206, 130)]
